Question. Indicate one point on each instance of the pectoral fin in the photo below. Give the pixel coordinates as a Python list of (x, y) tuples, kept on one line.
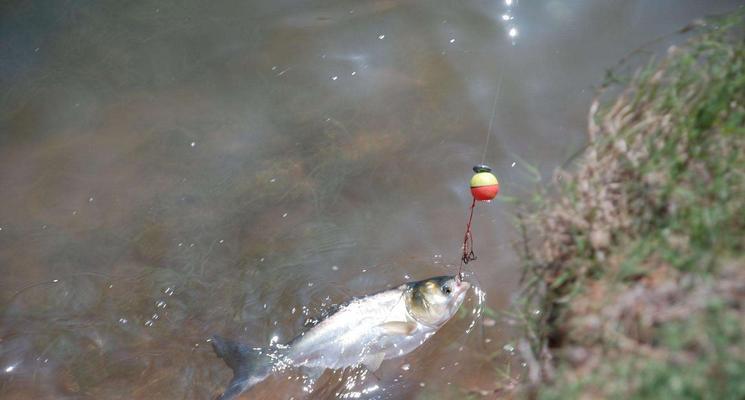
[(398, 328), (372, 361), (313, 374)]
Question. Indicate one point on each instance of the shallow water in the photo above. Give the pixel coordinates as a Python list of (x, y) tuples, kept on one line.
[(171, 170)]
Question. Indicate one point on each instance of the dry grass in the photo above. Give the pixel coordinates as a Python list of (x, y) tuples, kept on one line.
[(636, 264)]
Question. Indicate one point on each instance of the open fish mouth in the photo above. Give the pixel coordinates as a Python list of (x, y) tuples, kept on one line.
[(461, 288)]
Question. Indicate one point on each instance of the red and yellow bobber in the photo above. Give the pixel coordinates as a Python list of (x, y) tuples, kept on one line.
[(484, 185)]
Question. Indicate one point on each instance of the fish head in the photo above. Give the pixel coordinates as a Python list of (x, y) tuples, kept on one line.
[(434, 301)]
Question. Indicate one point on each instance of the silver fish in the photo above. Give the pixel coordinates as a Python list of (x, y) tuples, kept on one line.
[(364, 331)]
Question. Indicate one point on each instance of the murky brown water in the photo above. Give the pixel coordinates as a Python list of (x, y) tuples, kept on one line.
[(171, 170)]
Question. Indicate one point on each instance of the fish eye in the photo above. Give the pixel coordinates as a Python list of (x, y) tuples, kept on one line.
[(446, 289)]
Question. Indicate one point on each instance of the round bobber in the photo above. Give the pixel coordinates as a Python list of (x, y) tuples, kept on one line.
[(484, 185)]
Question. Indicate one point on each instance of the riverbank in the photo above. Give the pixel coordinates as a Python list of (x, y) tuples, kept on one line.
[(634, 281)]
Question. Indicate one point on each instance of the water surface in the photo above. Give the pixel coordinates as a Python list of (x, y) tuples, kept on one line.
[(171, 170)]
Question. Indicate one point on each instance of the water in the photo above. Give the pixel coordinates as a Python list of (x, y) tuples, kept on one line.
[(171, 170)]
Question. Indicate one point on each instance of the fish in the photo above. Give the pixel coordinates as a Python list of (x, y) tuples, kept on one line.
[(362, 332)]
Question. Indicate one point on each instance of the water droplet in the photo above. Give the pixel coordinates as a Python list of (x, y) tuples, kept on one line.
[(310, 284), (284, 215), (506, 17), (222, 241), (161, 304), (508, 348), (405, 367), (148, 323), (512, 32), (273, 180), (513, 164), (334, 268), (274, 67), (155, 317), (90, 199), (508, 2), (333, 78), (55, 280), (354, 73), (123, 320), (381, 37), (422, 384), (168, 291), (452, 40), (406, 276), (193, 144)]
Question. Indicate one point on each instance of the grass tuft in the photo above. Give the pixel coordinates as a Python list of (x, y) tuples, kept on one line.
[(636, 264)]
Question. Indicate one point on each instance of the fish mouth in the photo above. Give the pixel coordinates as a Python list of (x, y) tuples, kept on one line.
[(461, 287)]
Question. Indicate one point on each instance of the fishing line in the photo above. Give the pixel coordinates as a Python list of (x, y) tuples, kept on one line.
[(484, 185), (493, 112)]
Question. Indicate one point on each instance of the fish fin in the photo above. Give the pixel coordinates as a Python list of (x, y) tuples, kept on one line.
[(249, 365), (372, 361), (398, 328), (313, 373)]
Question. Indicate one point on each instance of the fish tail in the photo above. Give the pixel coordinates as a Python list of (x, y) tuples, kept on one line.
[(250, 366)]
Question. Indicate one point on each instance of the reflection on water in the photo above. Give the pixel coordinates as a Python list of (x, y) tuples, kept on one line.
[(170, 170)]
